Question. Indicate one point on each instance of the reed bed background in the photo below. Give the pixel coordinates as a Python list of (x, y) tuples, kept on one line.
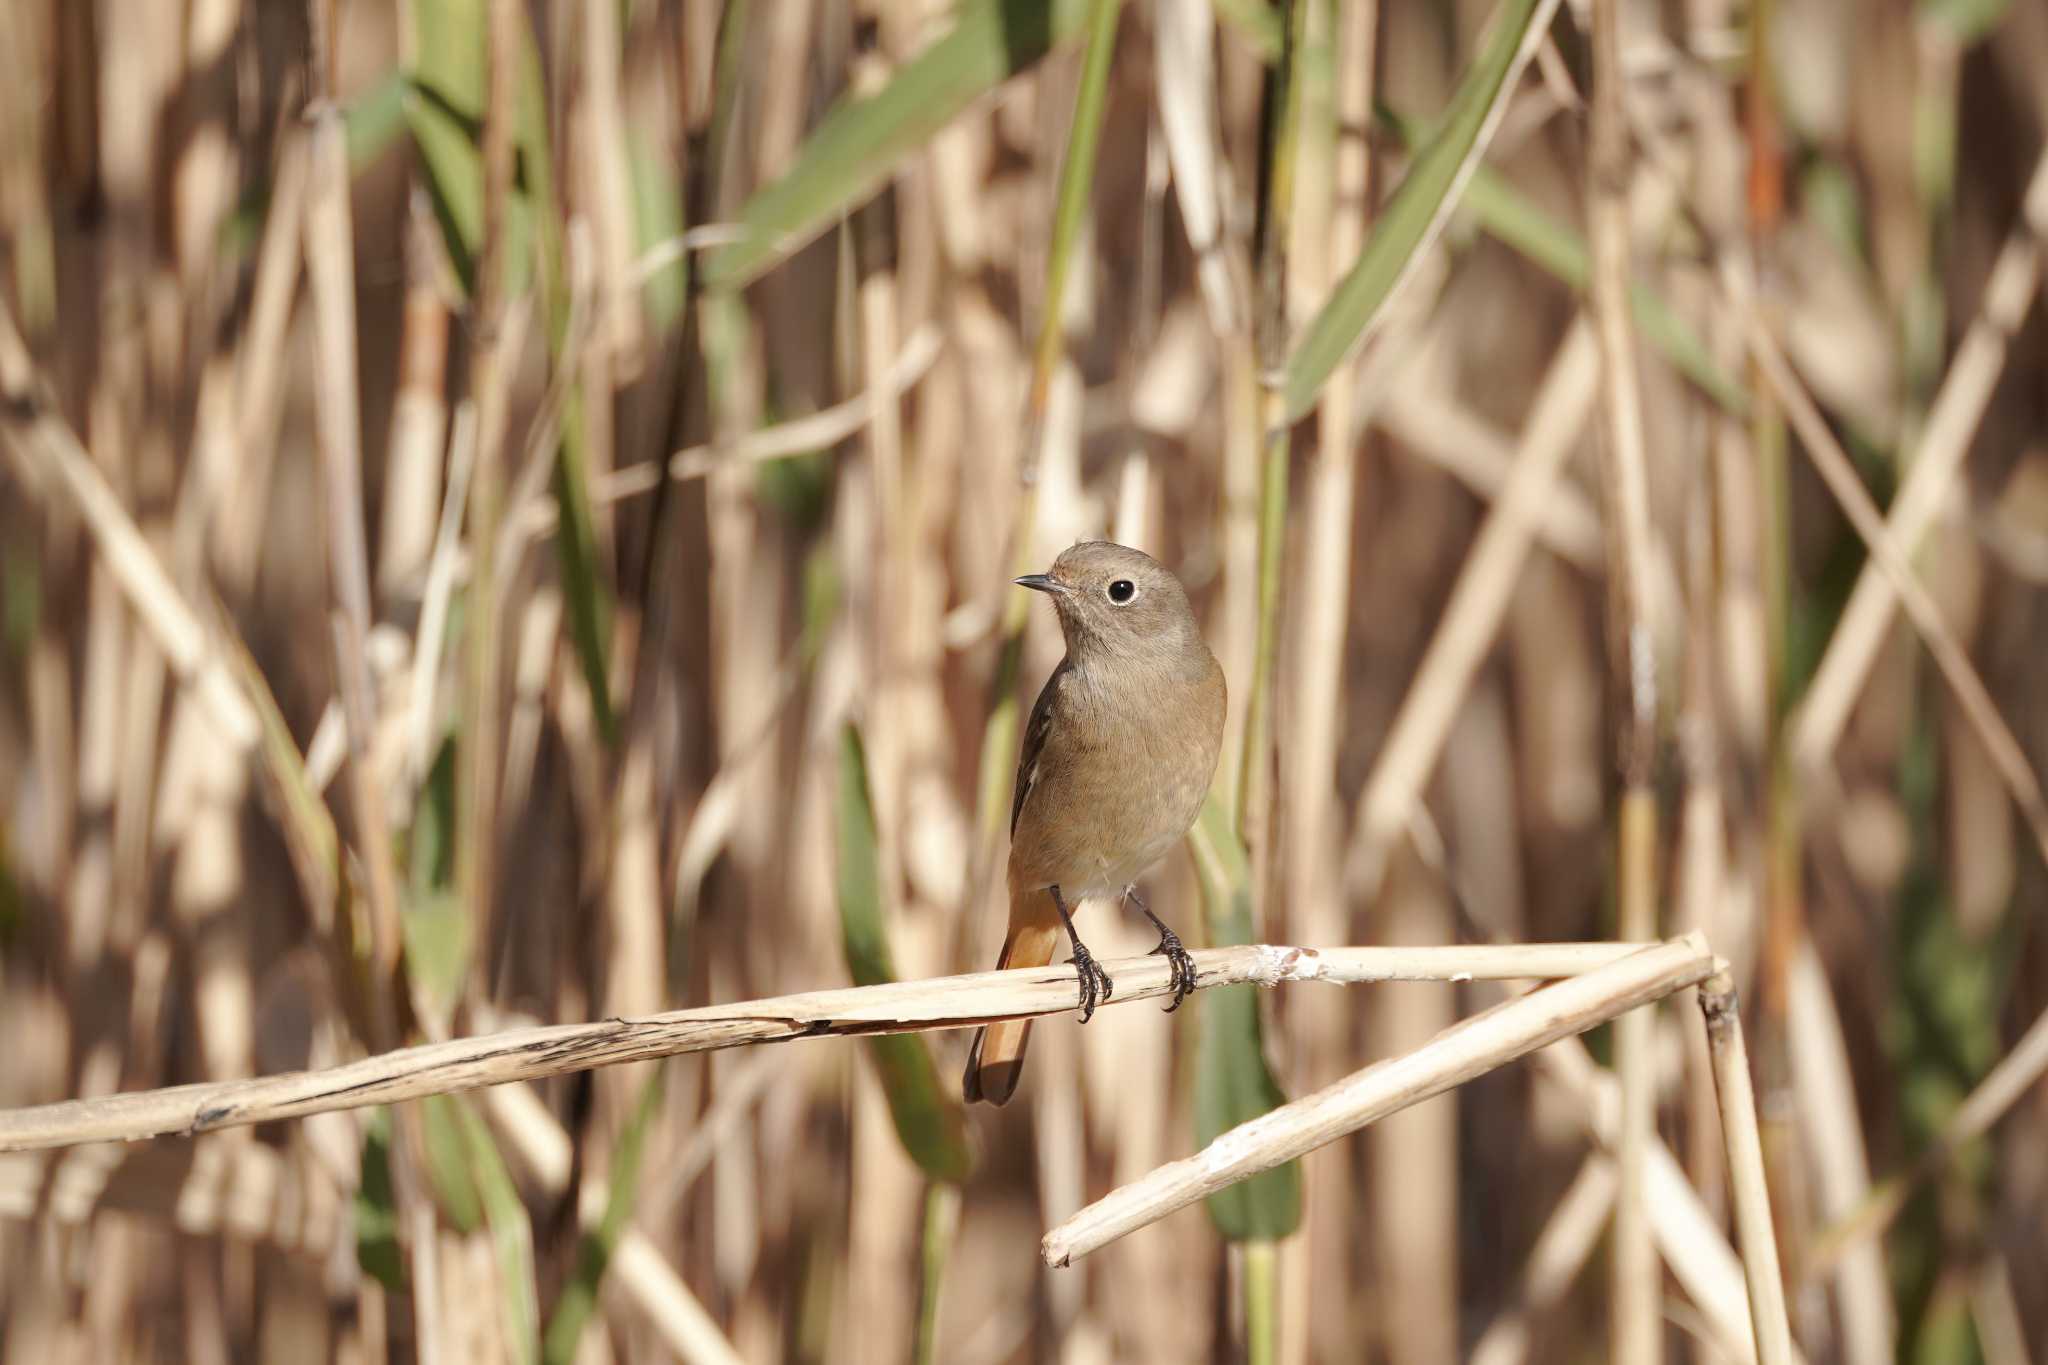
[(1605, 442)]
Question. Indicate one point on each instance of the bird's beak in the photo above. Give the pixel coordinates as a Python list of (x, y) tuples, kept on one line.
[(1038, 582)]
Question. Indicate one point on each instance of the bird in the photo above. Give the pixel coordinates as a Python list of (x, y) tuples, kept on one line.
[(1115, 763)]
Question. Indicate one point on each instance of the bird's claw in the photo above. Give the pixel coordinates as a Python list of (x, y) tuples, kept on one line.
[(1095, 982), (1181, 964)]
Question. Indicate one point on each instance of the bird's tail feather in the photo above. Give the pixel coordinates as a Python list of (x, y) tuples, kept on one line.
[(995, 1062)]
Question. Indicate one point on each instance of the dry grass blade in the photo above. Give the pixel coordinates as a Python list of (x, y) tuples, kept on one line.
[(1458, 1054), (907, 1007)]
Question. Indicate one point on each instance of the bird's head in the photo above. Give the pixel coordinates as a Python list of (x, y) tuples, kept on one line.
[(1115, 600)]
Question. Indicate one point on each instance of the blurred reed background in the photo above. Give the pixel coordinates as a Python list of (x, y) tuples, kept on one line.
[(392, 693)]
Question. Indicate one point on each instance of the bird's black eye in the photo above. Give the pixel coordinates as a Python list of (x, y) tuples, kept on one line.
[(1122, 591)]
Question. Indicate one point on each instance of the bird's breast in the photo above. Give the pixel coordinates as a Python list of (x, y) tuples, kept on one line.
[(1122, 775)]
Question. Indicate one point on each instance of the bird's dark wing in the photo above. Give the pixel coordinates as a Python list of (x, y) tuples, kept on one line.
[(1034, 741)]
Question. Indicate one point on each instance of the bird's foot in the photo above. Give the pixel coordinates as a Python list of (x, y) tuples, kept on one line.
[(1095, 982), (1182, 965)]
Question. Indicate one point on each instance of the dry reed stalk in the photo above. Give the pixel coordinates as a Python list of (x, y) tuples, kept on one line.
[(1458, 1054), (497, 331), (2002, 1087), (1454, 438), (1233, 632), (1184, 38), (886, 725), (914, 1006), (1689, 1238), (823, 429), (1637, 1323), (740, 1093), (430, 1321), (1478, 601), (2009, 293), (536, 1139), (540, 448), (201, 177), (703, 837), (141, 689), (1144, 1113), (25, 38), (1746, 1171), (635, 969), (886, 1190), (47, 691), (1824, 1089), (260, 368), (1314, 1271), (1983, 872), (1413, 1155), (422, 718), (1950, 657), (199, 804), (1256, 808), (1995, 1310), (210, 468), (604, 347), (54, 462), (1561, 1251), (419, 415), (749, 578), (1700, 873), (205, 1188), (330, 268), (607, 196), (884, 1196)]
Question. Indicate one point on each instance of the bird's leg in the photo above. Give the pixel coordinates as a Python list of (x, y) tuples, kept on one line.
[(1095, 983), (1169, 943)]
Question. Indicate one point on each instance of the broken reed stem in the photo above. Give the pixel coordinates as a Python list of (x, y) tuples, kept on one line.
[(902, 1007), (1746, 1180), (1467, 1049)]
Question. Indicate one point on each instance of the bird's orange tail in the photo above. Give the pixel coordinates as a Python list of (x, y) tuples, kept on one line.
[(996, 1061)]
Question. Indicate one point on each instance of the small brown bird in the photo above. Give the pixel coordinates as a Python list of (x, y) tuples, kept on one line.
[(1116, 761)]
